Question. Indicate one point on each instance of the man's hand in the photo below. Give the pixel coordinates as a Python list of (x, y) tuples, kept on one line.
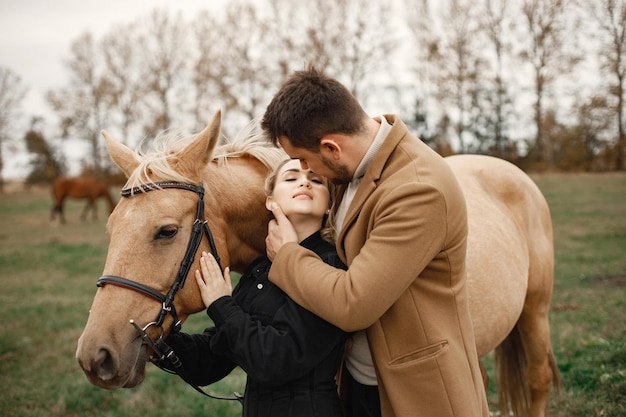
[(210, 281), (279, 231)]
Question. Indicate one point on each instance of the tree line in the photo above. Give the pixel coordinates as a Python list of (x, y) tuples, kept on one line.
[(498, 77)]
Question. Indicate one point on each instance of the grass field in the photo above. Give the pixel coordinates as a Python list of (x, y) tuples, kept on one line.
[(48, 275)]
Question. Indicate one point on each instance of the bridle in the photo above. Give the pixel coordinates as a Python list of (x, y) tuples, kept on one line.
[(164, 357), (200, 225)]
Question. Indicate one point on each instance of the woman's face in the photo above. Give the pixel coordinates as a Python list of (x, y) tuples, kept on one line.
[(300, 192)]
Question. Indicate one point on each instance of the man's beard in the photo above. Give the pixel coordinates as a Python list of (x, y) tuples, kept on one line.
[(341, 173)]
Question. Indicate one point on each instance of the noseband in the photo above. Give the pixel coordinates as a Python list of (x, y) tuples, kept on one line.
[(165, 357)]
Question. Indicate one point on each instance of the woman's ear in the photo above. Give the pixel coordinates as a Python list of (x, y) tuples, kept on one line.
[(268, 201)]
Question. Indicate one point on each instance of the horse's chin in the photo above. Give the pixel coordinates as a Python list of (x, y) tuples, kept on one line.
[(129, 381), (137, 377)]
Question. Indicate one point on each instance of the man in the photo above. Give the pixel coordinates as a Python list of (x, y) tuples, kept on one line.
[(401, 227)]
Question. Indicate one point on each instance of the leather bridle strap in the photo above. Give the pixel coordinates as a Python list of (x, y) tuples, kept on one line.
[(131, 285), (166, 358), (198, 189), (200, 225)]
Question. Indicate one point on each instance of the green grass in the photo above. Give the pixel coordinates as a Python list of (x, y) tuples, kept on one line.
[(589, 301), (48, 275), (47, 282)]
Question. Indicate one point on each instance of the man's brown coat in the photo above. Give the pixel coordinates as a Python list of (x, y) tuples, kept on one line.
[(404, 241)]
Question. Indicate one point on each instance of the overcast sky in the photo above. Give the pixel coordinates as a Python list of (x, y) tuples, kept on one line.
[(35, 35), (35, 39)]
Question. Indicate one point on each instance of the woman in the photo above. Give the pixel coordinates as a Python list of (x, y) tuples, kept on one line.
[(290, 355)]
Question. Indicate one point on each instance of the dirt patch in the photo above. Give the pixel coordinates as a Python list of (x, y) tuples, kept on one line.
[(607, 280), (566, 307)]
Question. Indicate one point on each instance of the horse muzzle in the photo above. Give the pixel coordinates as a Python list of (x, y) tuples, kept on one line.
[(108, 367)]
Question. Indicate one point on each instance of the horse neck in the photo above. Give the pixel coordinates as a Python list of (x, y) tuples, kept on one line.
[(237, 193)]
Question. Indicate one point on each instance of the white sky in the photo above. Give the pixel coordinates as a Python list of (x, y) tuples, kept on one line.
[(35, 39), (35, 35)]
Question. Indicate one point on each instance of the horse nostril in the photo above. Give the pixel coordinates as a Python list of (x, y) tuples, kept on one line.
[(106, 366)]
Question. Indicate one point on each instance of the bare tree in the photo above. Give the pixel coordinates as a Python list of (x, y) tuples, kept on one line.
[(338, 37), (244, 54), (234, 63), (46, 163), (425, 47), (208, 45), (307, 33), (594, 125), (124, 70), (459, 65), (165, 58), (497, 25), (12, 92), (369, 49), (611, 17), (284, 43), (84, 107), (547, 52)]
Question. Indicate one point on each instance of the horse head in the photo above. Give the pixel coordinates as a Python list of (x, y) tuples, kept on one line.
[(155, 232)]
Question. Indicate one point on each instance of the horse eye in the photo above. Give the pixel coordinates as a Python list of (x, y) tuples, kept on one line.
[(166, 232)]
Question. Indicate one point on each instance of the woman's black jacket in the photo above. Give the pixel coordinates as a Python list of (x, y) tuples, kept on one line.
[(289, 354)]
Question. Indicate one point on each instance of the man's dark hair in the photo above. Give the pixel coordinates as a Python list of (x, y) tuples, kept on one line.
[(310, 105)]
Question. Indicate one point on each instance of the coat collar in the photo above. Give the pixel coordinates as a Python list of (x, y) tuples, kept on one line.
[(372, 175)]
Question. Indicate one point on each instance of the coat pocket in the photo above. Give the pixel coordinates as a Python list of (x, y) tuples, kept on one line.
[(427, 352)]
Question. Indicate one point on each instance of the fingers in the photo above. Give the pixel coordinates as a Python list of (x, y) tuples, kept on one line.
[(209, 266), (279, 231), (210, 280), (278, 213), (199, 279), (228, 285), (209, 270), (272, 227)]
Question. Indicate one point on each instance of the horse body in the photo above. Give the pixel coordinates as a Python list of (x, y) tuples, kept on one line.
[(509, 262), (83, 187), (498, 243), (510, 266)]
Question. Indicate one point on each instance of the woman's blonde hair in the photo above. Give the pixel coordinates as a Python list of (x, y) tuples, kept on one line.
[(328, 230)]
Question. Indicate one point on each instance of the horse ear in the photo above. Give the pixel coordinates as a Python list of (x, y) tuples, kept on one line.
[(201, 149), (121, 154)]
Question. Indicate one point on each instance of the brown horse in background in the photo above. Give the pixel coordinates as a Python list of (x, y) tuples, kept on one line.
[(83, 187)]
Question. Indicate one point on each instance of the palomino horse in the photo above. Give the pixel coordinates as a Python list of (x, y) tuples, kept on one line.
[(162, 217), (83, 187)]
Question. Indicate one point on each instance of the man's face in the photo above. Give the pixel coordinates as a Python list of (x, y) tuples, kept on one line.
[(318, 162)]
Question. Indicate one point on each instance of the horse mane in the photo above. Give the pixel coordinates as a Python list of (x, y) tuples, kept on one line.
[(156, 156)]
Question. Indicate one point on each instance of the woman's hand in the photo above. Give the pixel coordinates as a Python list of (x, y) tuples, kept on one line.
[(210, 281), (279, 231)]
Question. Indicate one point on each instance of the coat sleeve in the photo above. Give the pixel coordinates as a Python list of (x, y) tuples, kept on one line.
[(398, 246), (200, 366), (292, 345)]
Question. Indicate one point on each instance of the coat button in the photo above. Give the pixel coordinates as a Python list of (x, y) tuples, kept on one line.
[(259, 286)]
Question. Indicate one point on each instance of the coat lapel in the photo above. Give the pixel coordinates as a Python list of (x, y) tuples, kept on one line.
[(369, 181)]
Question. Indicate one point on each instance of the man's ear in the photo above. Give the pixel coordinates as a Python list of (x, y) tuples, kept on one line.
[(331, 144)]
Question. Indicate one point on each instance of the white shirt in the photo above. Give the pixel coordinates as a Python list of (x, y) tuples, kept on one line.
[(359, 358)]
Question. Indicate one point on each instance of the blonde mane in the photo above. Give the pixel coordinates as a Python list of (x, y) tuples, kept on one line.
[(155, 156)]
